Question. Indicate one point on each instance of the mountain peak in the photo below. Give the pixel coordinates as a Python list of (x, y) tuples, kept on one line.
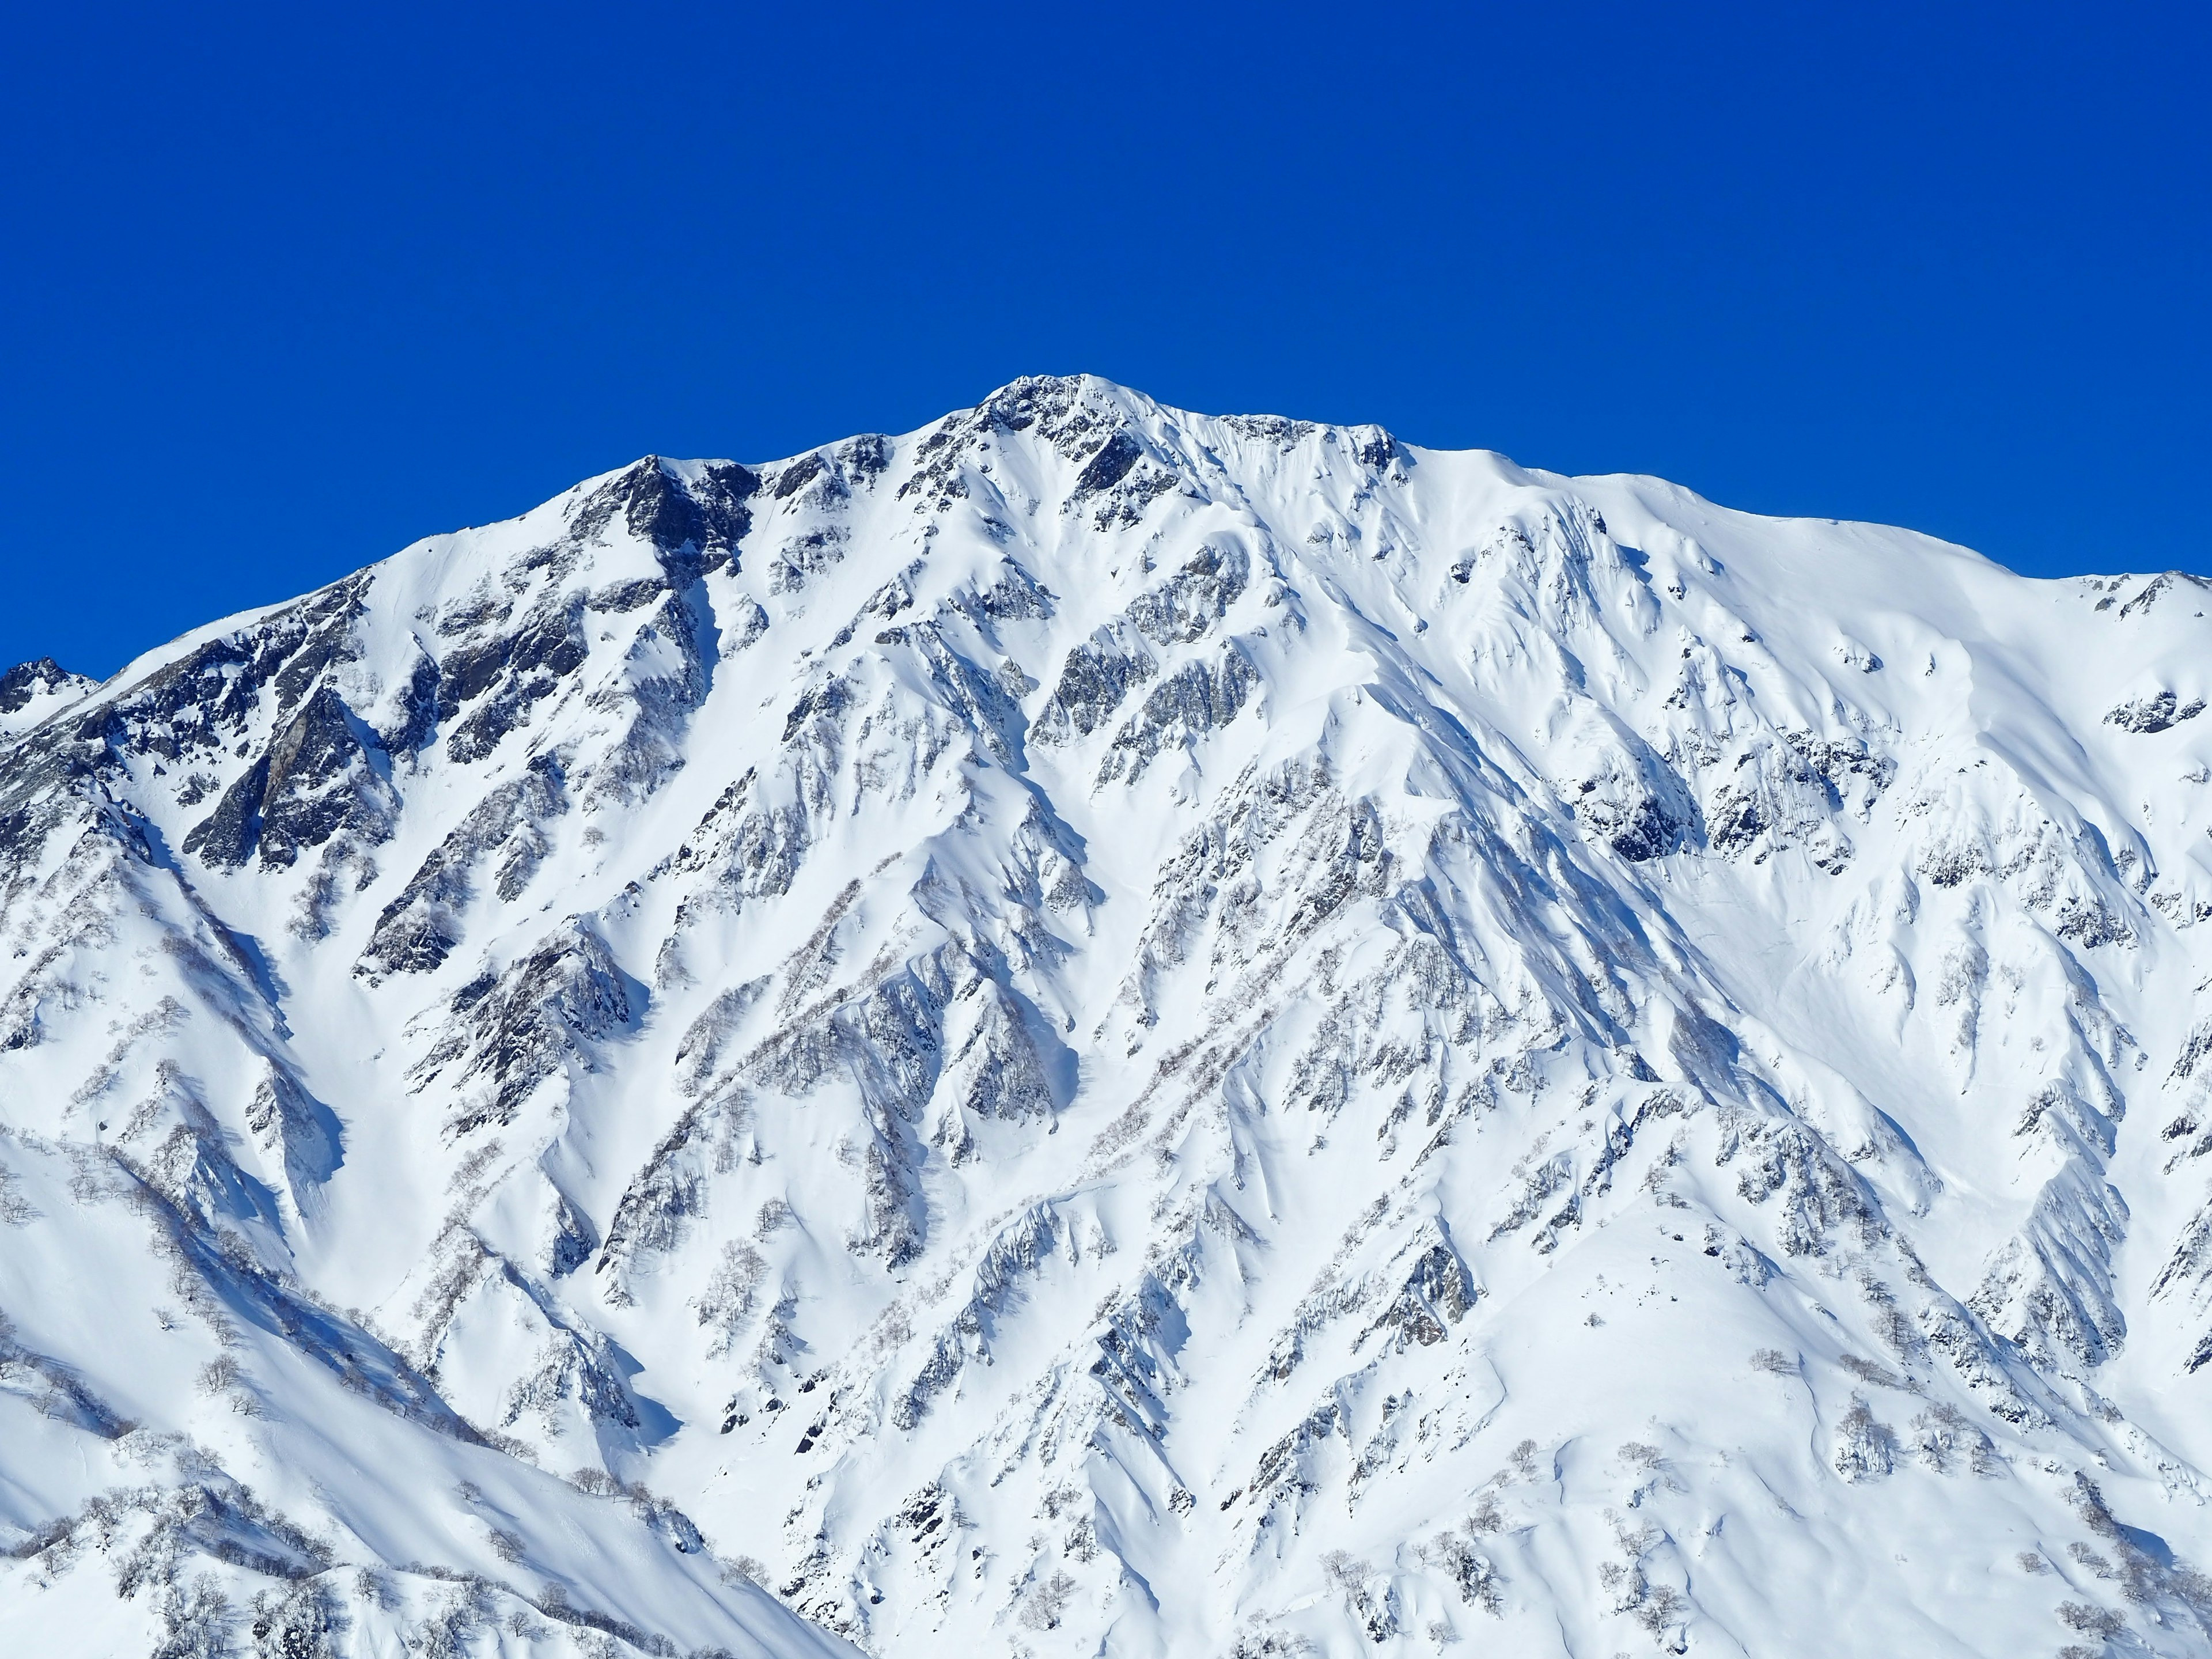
[(32, 691), (1102, 1027)]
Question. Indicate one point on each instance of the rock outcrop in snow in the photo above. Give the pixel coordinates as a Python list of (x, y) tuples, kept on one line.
[(1098, 1030)]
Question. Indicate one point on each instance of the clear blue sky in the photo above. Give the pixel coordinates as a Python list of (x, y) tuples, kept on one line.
[(283, 289)]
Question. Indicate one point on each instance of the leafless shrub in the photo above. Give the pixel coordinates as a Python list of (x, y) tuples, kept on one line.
[(1471, 1571), (1346, 1573), (2091, 1621), (1270, 1644), (1866, 1448), (16, 1210), (1868, 1371), (728, 1299), (1048, 1603), (218, 1374), (449, 1632), (303, 1622), (2084, 1556), (1942, 1435), (1663, 1607), (195, 1623)]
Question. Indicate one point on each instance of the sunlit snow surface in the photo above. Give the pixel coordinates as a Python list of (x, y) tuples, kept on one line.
[(1099, 1031)]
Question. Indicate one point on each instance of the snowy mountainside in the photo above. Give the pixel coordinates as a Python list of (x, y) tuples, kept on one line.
[(1100, 1029)]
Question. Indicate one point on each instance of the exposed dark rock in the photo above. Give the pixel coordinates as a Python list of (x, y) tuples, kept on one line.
[(1110, 465), (318, 776), (26, 680), (1436, 1296), (322, 776), (418, 929), (418, 711), (1093, 682), (627, 596), (694, 527), (226, 838), (1374, 447), (511, 1032), (1196, 699), (2154, 713), (525, 667), (1182, 608), (796, 476)]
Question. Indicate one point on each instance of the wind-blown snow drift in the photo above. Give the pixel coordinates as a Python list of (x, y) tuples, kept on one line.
[(1103, 1030)]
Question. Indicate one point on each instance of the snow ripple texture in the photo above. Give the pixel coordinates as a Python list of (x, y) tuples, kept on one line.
[(1099, 1031)]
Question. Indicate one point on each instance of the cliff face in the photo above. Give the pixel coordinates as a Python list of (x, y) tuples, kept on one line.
[(1101, 1030)]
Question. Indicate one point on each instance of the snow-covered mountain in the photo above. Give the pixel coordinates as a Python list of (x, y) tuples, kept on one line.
[(1100, 1030)]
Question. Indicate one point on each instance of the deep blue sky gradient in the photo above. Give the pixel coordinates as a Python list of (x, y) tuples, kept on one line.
[(281, 289)]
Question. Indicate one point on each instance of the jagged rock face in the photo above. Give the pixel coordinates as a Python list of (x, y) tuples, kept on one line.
[(1101, 1030), (32, 691)]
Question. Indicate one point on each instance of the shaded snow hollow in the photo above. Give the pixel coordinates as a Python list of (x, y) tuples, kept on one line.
[(1102, 1031)]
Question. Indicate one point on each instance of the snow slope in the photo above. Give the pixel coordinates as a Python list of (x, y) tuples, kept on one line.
[(1102, 1031)]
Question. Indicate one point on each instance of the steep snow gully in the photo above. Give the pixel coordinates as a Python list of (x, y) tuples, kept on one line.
[(1097, 1030)]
